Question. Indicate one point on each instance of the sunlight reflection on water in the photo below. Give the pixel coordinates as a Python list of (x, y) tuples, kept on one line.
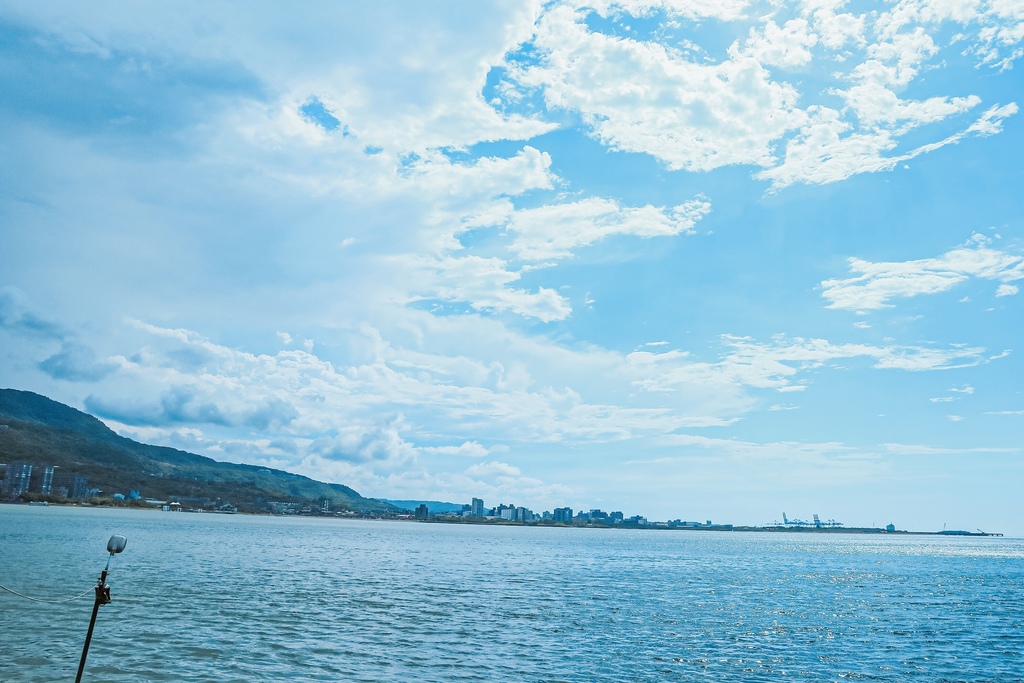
[(238, 598)]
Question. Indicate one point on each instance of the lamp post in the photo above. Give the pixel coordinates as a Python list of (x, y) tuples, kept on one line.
[(115, 545)]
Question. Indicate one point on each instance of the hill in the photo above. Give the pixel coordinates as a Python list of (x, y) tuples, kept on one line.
[(41, 431), (435, 507)]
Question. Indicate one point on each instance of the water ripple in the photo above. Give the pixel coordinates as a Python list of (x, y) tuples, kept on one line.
[(216, 598)]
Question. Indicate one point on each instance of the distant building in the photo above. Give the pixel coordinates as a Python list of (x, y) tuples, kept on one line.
[(563, 515), (422, 512), (525, 515), (46, 485), (615, 517), (70, 486), (17, 479), (477, 507), (25, 477)]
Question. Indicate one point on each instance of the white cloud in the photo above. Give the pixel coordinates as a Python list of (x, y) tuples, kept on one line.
[(1007, 290), (834, 29), (691, 9), (642, 97), (877, 283), (820, 153), (483, 284), (469, 449), (786, 46), (380, 414), (494, 469), (776, 365), (555, 230), (699, 113), (920, 449)]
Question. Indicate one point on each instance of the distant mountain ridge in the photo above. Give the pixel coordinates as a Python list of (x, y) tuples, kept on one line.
[(42, 431), (435, 507)]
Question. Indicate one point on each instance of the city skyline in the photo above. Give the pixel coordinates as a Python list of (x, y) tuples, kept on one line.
[(700, 259)]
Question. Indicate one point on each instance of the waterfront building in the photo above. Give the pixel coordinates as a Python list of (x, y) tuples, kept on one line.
[(17, 478), (525, 515), (422, 512), (70, 486), (46, 485), (477, 507), (563, 515)]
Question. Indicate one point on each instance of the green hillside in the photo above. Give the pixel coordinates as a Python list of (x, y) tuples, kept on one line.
[(44, 432)]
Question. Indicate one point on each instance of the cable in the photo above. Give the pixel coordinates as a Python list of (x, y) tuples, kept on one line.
[(29, 597)]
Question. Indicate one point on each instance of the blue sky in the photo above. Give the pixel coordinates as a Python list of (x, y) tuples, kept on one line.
[(710, 259)]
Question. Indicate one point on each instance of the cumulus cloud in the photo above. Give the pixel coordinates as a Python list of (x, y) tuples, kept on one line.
[(776, 365), (786, 46), (17, 314), (695, 111), (76, 362), (642, 97), (469, 449), (493, 469), (483, 284), (335, 411), (555, 230), (1007, 290), (877, 283), (690, 9)]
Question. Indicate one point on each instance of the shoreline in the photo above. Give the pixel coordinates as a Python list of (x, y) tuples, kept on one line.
[(487, 521)]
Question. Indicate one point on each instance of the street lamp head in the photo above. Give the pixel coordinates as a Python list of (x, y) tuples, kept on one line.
[(116, 544)]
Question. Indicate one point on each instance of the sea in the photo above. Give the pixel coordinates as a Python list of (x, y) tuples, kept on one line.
[(207, 597)]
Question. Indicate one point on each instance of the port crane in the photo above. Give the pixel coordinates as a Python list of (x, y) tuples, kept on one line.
[(817, 523), (786, 521)]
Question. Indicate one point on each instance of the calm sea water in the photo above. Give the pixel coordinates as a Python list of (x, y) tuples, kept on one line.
[(238, 598)]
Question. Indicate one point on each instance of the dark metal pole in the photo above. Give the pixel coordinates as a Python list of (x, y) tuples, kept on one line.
[(102, 598)]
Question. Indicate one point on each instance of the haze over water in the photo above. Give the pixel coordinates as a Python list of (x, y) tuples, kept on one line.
[(239, 598)]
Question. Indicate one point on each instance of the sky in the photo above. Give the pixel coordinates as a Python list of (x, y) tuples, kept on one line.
[(704, 259)]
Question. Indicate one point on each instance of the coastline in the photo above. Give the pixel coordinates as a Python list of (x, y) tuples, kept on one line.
[(489, 521)]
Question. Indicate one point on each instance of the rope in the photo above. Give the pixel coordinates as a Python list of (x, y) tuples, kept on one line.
[(29, 597)]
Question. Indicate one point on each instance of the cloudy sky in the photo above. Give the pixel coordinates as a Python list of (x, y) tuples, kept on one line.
[(698, 259)]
